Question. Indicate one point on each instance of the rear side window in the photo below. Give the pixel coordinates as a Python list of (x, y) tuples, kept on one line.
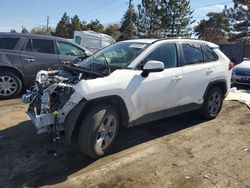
[(8, 43), (192, 54), (209, 54), (43, 46), (40, 46)]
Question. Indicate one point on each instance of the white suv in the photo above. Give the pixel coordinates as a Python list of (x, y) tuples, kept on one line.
[(126, 84)]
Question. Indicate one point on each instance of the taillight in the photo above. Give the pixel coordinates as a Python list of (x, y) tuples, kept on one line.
[(231, 65)]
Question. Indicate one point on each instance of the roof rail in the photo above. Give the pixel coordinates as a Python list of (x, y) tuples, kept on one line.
[(168, 38)]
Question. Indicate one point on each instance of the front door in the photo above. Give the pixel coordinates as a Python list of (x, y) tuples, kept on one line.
[(161, 90)]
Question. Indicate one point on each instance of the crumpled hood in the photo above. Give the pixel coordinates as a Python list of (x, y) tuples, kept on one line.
[(244, 65)]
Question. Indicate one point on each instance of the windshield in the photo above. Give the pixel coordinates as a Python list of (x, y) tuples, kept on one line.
[(120, 55)]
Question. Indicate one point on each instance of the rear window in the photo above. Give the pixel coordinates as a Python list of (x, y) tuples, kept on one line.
[(8, 43)]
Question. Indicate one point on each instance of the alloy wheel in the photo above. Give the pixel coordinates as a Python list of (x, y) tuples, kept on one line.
[(8, 85)]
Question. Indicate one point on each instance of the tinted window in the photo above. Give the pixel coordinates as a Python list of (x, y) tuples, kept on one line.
[(165, 53), (69, 49), (209, 54), (28, 46), (43, 46), (192, 53), (8, 43)]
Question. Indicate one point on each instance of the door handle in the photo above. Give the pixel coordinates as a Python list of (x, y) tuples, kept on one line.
[(29, 60), (208, 71), (177, 78), (65, 61)]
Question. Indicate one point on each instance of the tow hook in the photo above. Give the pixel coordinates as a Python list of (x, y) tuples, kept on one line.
[(55, 127)]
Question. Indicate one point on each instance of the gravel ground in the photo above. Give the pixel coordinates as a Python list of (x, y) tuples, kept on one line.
[(183, 151)]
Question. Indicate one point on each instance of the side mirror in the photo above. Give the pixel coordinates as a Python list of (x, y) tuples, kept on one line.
[(152, 66), (245, 59)]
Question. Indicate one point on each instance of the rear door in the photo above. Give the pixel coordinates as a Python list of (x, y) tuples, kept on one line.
[(68, 52), (38, 54), (198, 69)]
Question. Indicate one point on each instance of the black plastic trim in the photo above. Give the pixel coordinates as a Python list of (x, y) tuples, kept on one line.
[(165, 114)]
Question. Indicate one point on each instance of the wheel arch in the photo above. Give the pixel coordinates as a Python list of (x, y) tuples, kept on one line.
[(14, 70), (222, 84), (77, 114)]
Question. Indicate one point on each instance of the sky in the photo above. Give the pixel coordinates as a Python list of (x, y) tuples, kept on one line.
[(16, 14)]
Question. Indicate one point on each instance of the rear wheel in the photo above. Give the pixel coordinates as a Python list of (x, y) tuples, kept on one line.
[(99, 130), (10, 85), (212, 104)]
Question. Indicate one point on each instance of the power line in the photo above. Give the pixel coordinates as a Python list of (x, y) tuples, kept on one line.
[(210, 5)]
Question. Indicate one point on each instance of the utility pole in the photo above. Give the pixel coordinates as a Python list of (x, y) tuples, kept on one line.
[(47, 23), (130, 4)]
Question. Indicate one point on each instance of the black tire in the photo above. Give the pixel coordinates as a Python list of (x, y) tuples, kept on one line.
[(14, 81), (212, 105), (92, 129)]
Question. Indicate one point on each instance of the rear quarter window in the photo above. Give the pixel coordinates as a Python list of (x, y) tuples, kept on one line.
[(8, 43), (209, 54)]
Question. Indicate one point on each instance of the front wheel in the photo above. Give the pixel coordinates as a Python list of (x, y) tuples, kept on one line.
[(99, 130), (212, 103)]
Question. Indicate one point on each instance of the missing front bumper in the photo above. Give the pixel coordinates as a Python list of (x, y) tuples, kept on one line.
[(41, 122)]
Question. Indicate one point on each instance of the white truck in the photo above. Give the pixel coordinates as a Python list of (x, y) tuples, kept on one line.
[(92, 41)]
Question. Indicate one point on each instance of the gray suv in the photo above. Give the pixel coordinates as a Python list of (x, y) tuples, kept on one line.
[(23, 55)]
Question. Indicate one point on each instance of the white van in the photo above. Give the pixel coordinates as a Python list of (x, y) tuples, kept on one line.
[(92, 41)]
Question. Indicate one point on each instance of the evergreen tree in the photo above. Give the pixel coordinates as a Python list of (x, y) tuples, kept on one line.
[(96, 26), (165, 18), (24, 30), (63, 27), (13, 31), (176, 18), (76, 25), (215, 29), (149, 19), (113, 30), (128, 28), (239, 17)]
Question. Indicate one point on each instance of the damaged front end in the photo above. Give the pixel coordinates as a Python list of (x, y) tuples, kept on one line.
[(52, 98)]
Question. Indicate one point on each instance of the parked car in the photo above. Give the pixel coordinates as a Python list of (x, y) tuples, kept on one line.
[(241, 73), (126, 84), (23, 55)]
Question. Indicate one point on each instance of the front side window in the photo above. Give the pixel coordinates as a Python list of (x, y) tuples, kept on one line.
[(8, 43), (192, 54), (69, 49), (43, 46), (165, 53)]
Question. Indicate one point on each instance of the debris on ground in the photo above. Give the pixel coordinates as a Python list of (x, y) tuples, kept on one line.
[(240, 95)]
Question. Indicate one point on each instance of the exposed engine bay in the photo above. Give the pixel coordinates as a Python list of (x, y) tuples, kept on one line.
[(51, 98)]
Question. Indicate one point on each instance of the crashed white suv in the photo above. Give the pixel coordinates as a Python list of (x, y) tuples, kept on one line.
[(127, 84)]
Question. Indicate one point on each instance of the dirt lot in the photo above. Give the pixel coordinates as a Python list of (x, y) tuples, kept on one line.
[(183, 151)]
